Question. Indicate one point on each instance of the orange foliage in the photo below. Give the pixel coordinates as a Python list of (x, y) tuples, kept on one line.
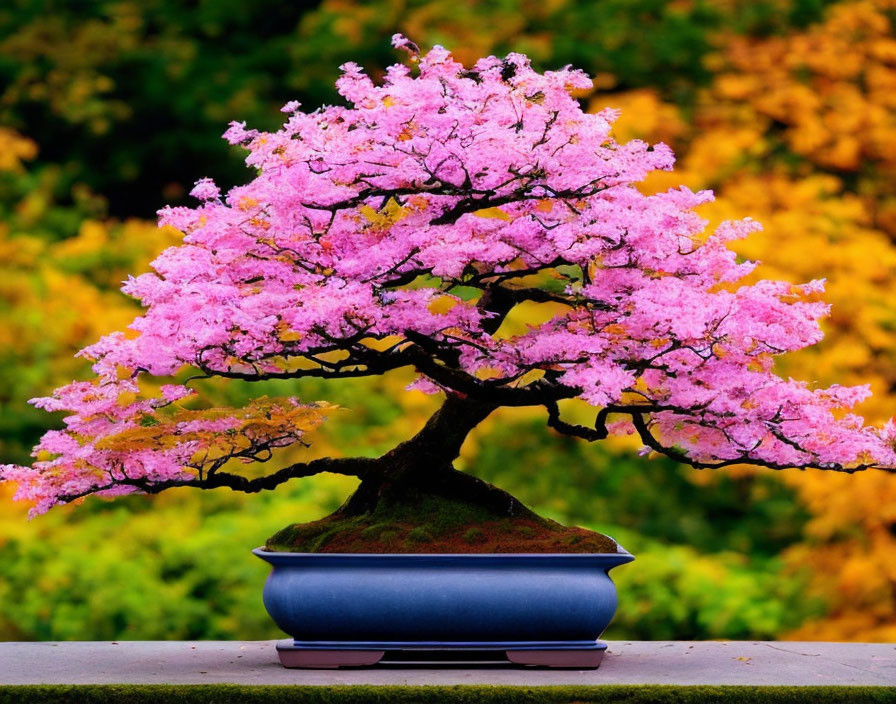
[(828, 94), (799, 132), (57, 296)]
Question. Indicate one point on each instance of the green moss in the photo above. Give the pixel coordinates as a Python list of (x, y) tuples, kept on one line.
[(375, 531), (418, 521), (463, 694), (388, 536), (419, 535), (474, 535)]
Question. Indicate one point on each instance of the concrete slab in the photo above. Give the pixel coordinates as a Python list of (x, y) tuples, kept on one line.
[(626, 662)]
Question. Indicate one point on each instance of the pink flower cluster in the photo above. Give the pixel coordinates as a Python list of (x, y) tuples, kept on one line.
[(71, 462), (413, 215)]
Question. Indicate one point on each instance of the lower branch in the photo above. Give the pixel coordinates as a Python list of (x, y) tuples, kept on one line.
[(349, 466), (353, 466), (639, 414), (651, 441)]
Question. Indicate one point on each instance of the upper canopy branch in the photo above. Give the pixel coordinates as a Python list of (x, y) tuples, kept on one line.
[(471, 199), (436, 361), (497, 300)]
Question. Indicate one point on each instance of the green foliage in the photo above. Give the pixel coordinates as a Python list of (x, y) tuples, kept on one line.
[(38, 202), (109, 571), (126, 93), (675, 592)]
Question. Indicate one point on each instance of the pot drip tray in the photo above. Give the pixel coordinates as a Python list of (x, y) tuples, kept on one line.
[(330, 654)]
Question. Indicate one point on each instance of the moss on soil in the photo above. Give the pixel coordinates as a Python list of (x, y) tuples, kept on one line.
[(424, 522)]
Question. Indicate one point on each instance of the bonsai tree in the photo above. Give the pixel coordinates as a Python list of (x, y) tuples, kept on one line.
[(400, 231)]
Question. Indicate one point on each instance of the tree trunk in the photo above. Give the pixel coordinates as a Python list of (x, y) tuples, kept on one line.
[(438, 444), (423, 464)]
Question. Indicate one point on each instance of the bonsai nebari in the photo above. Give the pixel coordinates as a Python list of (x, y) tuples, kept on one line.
[(401, 231)]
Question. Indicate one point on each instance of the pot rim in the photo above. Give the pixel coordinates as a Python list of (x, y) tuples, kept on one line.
[(616, 558), (622, 551)]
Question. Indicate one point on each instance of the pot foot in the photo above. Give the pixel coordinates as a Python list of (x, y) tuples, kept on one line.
[(293, 657), (570, 659), (577, 655)]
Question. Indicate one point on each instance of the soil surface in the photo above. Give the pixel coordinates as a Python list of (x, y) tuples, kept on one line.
[(423, 522)]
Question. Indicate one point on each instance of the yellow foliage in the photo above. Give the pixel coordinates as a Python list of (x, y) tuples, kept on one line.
[(642, 114), (829, 92), (386, 216), (286, 334), (262, 420), (492, 213), (442, 304), (14, 150)]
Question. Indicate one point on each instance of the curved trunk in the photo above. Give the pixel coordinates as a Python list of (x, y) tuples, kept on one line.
[(423, 464), (438, 443), (448, 484)]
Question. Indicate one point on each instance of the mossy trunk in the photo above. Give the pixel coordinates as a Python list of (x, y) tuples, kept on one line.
[(424, 465), (413, 500), (443, 483), (445, 512)]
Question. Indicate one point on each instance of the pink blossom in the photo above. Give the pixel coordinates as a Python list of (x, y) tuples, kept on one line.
[(205, 189), (401, 230), (399, 41)]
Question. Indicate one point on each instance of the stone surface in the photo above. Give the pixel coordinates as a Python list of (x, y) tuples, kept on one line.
[(626, 662)]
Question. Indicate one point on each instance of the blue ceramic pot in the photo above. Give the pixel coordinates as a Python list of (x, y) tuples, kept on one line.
[(352, 601)]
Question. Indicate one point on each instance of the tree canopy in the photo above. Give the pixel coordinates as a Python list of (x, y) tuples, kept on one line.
[(400, 232)]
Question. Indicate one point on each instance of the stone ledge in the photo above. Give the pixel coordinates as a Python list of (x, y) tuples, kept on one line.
[(748, 663)]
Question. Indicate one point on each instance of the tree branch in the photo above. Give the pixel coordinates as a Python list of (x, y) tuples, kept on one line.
[(598, 432), (650, 441), (638, 412), (537, 393), (348, 466)]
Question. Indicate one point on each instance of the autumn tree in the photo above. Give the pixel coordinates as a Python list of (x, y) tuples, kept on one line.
[(399, 232), (60, 269), (794, 131)]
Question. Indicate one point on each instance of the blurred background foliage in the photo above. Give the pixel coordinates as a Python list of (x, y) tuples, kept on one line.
[(786, 108)]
